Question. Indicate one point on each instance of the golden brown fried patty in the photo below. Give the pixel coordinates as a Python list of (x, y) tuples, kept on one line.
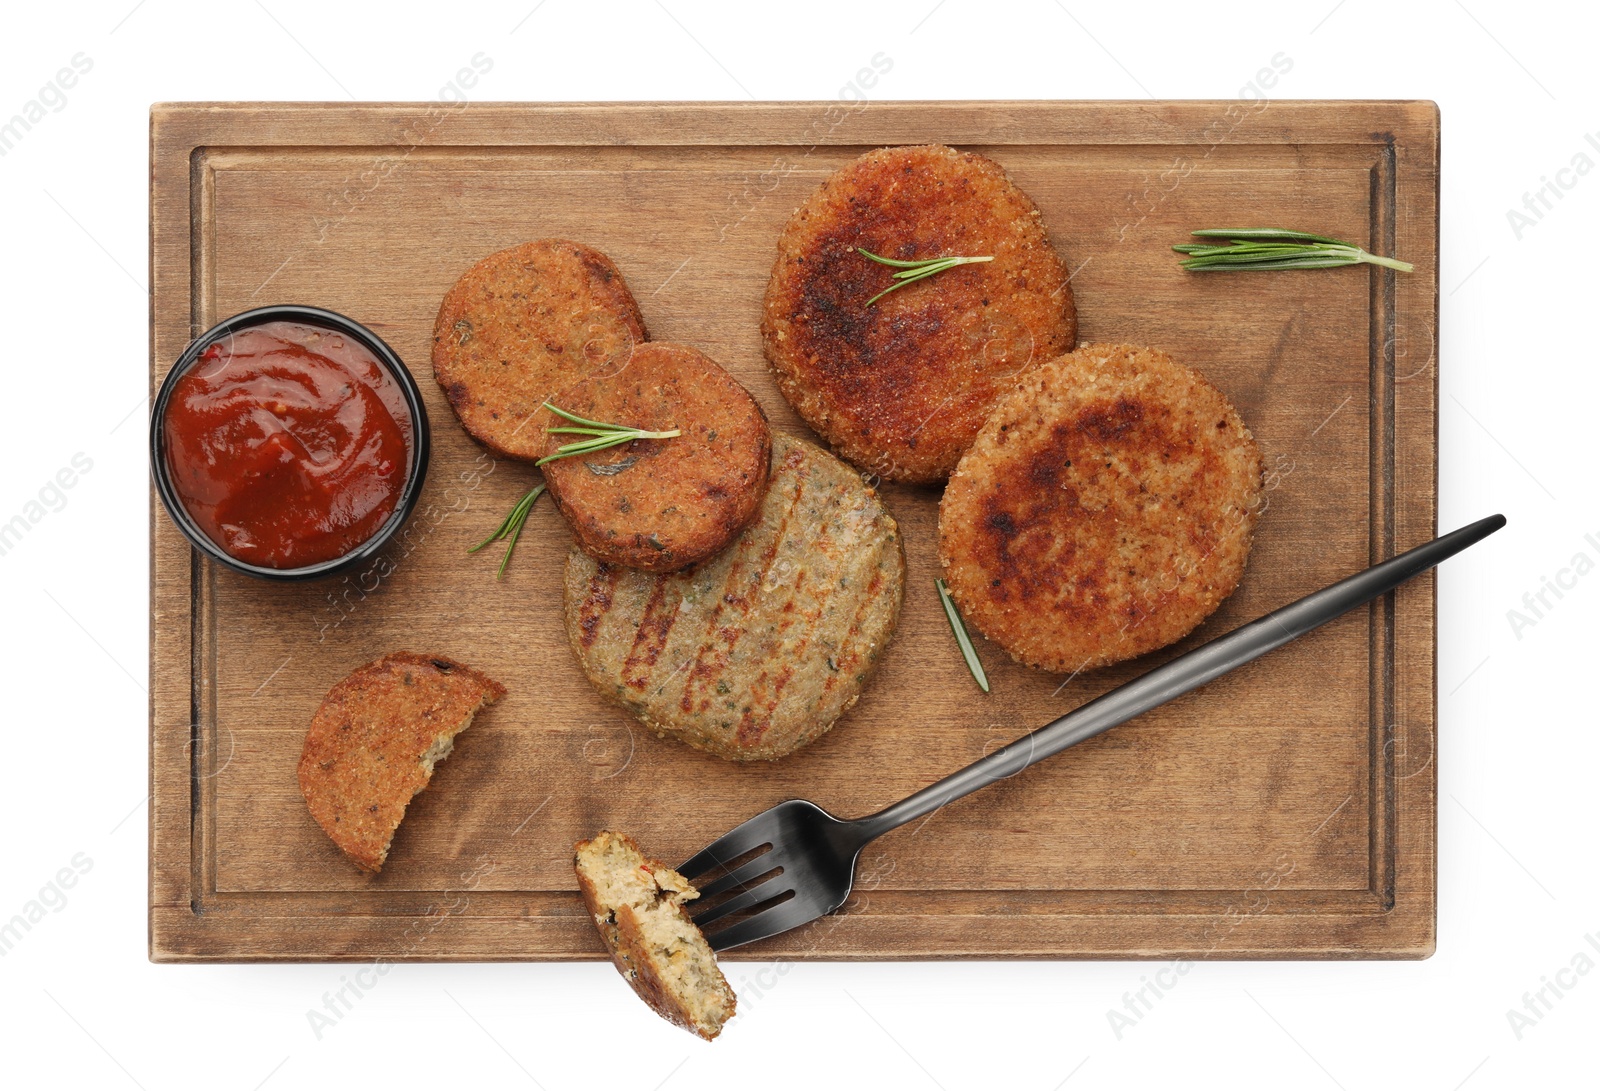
[(637, 904), (757, 651), (901, 387), (522, 324), (1105, 510), (374, 742), (662, 504)]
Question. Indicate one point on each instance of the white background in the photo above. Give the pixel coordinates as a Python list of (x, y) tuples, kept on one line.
[(1518, 756)]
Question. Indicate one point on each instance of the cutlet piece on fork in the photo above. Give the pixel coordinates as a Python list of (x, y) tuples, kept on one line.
[(637, 903)]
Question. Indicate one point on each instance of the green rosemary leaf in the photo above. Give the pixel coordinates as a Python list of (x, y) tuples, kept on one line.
[(1263, 233), (601, 435), (1282, 263), (589, 446), (959, 628), (500, 532), (576, 419), (898, 263), (913, 271), (1262, 249), (511, 527), (1248, 257)]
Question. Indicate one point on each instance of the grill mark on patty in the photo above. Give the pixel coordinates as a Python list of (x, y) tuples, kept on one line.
[(849, 647), (592, 611), (812, 627), (650, 637), (702, 669), (716, 632), (748, 733), (714, 623), (750, 729)]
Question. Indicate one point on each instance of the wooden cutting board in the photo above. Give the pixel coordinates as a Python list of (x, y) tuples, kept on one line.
[(1286, 810)]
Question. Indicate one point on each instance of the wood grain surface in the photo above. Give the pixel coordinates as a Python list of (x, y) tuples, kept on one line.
[(1286, 810)]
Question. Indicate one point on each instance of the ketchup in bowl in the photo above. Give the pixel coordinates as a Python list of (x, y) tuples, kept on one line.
[(288, 443)]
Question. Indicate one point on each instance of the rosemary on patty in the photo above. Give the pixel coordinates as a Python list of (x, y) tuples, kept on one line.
[(912, 271), (601, 435)]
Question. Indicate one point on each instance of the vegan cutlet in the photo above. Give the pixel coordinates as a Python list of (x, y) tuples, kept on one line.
[(374, 741), (637, 903), (1105, 510), (757, 651), (662, 504), (522, 324), (901, 386)]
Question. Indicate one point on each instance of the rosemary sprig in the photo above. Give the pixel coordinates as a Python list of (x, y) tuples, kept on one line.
[(601, 435), (959, 628), (1266, 248), (912, 271), (511, 528)]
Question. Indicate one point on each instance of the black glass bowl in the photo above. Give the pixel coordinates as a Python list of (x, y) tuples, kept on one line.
[(315, 316)]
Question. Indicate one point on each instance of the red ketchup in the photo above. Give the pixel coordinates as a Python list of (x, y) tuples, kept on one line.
[(288, 444)]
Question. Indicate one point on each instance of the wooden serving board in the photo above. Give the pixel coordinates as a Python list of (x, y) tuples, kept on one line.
[(1286, 810)]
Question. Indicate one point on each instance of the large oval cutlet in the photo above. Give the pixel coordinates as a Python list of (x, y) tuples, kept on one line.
[(901, 386), (520, 325), (662, 504), (757, 651), (1105, 510)]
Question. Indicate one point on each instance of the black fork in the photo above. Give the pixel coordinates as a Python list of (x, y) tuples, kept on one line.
[(801, 859)]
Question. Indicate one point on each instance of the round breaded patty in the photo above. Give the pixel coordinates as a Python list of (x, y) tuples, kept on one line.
[(759, 650), (1105, 510), (520, 325), (662, 504), (902, 386)]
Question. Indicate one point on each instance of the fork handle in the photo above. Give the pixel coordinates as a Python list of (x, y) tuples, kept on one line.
[(1178, 676)]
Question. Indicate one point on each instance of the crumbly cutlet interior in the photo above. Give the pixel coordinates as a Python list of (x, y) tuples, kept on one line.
[(443, 744), (441, 748), (683, 958)]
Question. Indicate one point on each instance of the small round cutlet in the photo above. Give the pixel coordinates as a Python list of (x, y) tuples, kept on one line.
[(520, 325), (662, 504), (1105, 510), (757, 651), (901, 386)]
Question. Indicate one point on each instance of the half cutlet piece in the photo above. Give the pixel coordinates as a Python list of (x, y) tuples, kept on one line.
[(375, 740), (637, 903)]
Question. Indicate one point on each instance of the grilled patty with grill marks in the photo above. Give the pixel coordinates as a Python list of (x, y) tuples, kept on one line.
[(756, 652)]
